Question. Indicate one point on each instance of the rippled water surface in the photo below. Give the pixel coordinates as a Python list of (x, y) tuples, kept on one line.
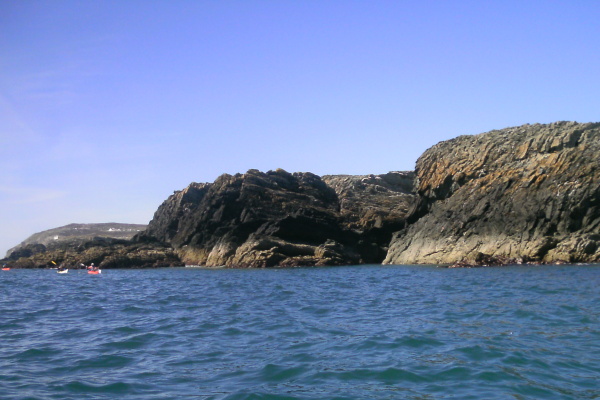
[(370, 332)]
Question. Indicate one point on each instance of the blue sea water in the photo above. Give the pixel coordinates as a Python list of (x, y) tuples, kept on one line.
[(361, 332)]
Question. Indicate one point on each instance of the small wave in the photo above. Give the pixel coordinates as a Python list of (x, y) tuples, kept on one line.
[(280, 373), (387, 375), (135, 341), (454, 374), (105, 361), (479, 353), (36, 354), (497, 375), (124, 329), (81, 387), (386, 343)]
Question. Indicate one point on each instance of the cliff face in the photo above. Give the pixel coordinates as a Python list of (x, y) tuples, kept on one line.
[(375, 206), (530, 193), (175, 210), (269, 219), (373, 201)]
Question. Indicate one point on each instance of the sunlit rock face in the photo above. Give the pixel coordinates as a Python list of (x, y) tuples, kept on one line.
[(375, 206), (278, 218), (524, 194)]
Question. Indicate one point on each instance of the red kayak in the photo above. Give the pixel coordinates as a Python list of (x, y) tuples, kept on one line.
[(94, 272), (5, 269)]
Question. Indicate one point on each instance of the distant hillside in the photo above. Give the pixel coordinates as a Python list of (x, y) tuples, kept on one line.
[(79, 233)]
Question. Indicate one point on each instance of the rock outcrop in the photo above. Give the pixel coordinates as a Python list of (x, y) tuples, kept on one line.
[(105, 253), (374, 206), (107, 245), (529, 194), (71, 236), (277, 218), (523, 194)]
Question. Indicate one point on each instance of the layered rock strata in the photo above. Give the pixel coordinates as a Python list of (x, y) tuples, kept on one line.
[(276, 218), (374, 206), (523, 194)]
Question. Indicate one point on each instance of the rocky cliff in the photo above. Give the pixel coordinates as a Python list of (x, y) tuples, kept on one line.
[(523, 194), (277, 218), (374, 206), (369, 202)]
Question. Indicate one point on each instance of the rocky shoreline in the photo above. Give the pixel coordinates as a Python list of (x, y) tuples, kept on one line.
[(106, 252), (521, 195), (529, 193), (276, 218)]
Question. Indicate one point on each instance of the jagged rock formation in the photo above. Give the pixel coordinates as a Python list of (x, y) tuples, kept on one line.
[(374, 206), (523, 194), (72, 235), (373, 201), (276, 218)]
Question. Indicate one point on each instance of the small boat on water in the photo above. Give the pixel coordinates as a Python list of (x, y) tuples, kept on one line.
[(5, 269), (92, 269), (62, 271)]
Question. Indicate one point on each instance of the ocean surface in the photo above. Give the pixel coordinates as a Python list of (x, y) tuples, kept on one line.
[(361, 332)]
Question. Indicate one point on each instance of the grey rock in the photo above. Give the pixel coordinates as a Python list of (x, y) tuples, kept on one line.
[(72, 235), (278, 218), (529, 193)]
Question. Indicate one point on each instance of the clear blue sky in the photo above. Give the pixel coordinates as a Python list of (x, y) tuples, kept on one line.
[(107, 107)]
